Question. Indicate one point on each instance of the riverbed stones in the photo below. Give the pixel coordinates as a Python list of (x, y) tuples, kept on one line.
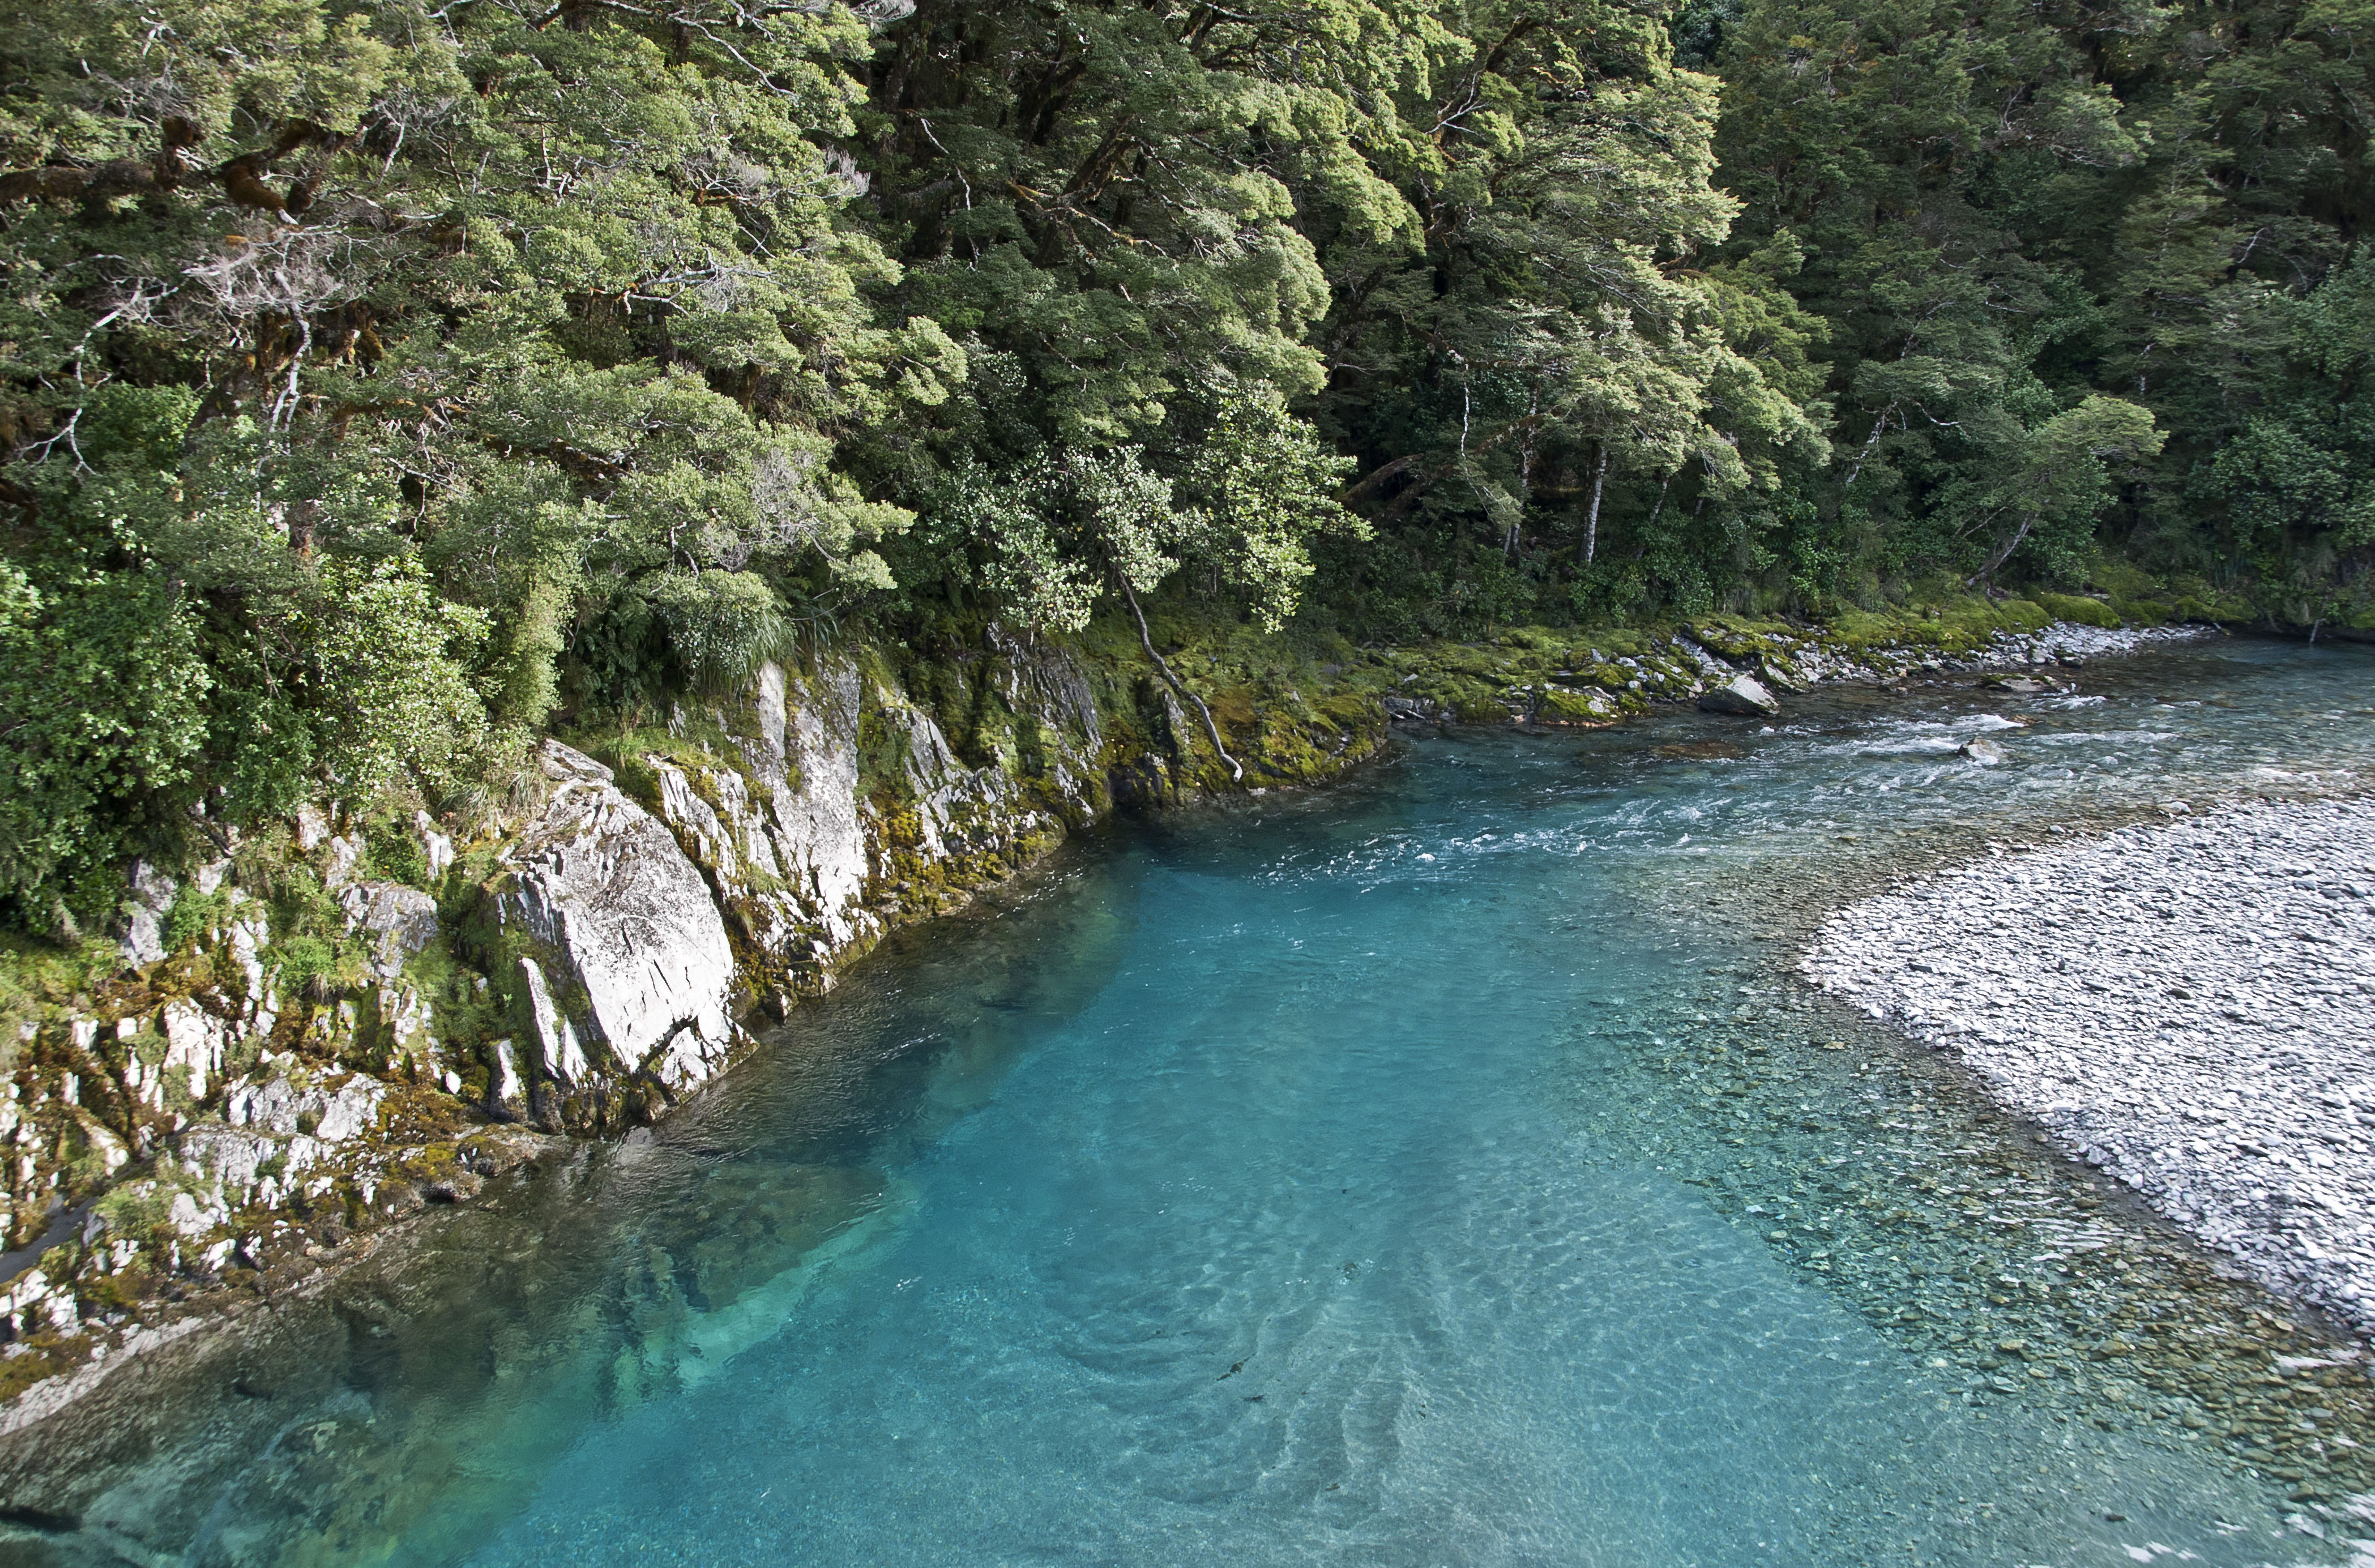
[(2190, 1007)]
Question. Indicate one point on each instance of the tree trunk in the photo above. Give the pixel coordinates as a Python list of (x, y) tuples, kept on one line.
[(1146, 639), (1987, 572), (1524, 476), (1591, 517)]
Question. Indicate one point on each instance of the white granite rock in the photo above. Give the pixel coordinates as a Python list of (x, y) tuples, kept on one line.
[(404, 919), (602, 886), (436, 849), (1743, 695), (152, 895)]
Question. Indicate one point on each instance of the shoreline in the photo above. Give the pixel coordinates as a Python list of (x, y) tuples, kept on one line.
[(2069, 1324), (2181, 1005), (280, 1252)]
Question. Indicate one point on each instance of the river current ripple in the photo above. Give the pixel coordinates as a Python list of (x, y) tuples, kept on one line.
[(1445, 1169)]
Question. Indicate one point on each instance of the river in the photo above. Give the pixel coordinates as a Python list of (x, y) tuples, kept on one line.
[(1444, 1169)]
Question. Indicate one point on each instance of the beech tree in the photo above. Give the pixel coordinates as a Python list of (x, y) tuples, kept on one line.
[(313, 305), (381, 385)]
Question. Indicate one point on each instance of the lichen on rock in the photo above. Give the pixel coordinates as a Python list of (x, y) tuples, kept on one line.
[(601, 890)]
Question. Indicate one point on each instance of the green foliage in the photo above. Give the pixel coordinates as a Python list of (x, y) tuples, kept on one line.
[(2015, 215), (722, 624), (356, 358), (101, 707), (1259, 487), (382, 385)]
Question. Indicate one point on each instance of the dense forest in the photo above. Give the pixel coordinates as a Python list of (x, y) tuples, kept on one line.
[(381, 382)]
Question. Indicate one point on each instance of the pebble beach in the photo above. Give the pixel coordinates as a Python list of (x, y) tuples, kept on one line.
[(2188, 1006)]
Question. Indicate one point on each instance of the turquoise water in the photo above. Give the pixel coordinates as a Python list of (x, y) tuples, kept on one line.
[(1439, 1171)]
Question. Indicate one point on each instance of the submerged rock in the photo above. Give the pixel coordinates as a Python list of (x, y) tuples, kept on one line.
[(1985, 753), (1744, 696)]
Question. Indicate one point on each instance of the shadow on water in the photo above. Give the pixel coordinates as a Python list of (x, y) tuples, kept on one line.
[(1444, 1169), (397, 1410)]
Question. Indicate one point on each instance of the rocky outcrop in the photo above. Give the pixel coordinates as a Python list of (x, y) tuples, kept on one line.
[(611, 909), (772, 817), (402, 921), (825, 805), (420, 1006)]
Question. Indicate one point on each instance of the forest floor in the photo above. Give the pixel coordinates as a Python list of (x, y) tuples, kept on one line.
[(2189, 1005)]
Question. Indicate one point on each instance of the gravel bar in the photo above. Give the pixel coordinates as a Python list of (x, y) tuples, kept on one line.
[(2190, 1007)]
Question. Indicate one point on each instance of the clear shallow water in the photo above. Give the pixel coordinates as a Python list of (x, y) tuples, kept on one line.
[(1439, 1171)]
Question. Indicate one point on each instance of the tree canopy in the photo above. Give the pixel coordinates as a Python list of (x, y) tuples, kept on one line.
[(381, 383)]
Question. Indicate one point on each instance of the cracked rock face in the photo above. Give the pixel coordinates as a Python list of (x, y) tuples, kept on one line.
[(782, 836), (2191, 1008), (629, 926), (403, 919), (811, 858)]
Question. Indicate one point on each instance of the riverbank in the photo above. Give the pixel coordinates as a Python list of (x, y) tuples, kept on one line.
[(1656, 1169), (343, 1023), (2185, 1006)]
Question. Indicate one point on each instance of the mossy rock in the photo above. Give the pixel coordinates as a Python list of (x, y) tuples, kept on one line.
[(1481, 711), (1739, 640), (1861, 631), (1561, 705), (2025, 614), (2080, 609), (1535, 637)]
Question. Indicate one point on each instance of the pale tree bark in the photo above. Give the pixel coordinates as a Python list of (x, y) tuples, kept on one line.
[(1591, 517), (1146, 640), (1987, 572), (1524, 476)]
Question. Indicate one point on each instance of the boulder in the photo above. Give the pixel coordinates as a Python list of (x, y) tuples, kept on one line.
[(194, 1039), (808, 858), (557, 1053), (627, 922), (505, 1097), (283, 1106), (1559, 705), (1985, 753), (781, 832), (404, 919), (1742, 695), (436, 849)]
